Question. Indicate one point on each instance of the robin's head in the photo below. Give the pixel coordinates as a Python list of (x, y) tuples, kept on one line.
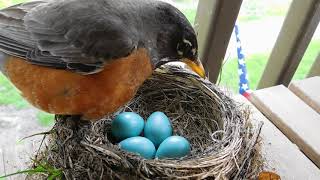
[(176, 39)]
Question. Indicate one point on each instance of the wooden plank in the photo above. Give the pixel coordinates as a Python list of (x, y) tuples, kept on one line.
[(279, 154), (308, 90), (214, 25), (299, 122), (315, 69), (296, 33)]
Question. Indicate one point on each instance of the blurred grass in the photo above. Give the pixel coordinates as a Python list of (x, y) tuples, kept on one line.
[(190, 14), (6, 3), (256, 64), (9, 94), (253, 10), (308, 59), (45, 119)]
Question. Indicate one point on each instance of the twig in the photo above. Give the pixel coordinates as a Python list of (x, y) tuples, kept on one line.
[(38, 151), (105, 151), (37, 134)]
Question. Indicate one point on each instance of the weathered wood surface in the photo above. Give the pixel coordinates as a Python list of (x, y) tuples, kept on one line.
[(280, 155), (298, 121), (14, 125), (308, 90)]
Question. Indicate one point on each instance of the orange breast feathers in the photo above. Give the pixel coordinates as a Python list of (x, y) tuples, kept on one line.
[(69, 93)]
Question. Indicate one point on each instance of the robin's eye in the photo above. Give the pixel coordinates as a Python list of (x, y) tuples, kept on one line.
[(185, 48), (179, 50)]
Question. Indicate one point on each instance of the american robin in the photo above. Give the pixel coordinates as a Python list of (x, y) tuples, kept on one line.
[(80, 57)]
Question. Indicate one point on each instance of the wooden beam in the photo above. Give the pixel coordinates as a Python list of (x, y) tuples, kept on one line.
[(214, 25), (315, 69), (298, 28), (203, 21)]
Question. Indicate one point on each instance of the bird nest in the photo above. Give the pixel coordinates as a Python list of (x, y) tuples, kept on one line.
[(222, 139)]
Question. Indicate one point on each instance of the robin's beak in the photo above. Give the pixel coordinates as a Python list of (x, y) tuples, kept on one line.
[(196, 67)]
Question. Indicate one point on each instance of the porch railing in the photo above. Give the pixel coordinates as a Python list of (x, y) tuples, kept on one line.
[(214, 24)]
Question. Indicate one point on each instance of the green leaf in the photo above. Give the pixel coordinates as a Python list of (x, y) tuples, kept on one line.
[(40, 168)]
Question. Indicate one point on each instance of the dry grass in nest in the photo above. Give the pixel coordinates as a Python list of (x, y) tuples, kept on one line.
[(221, 139)]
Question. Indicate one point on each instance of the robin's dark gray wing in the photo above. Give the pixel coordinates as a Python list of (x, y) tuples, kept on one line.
[(77, 34)]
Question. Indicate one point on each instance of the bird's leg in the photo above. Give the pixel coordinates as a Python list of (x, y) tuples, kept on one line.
[(70, 121)]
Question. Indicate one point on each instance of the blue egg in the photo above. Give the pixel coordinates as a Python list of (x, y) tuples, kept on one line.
[(157, 128), (127, 124), (139, 145), (173, 147)]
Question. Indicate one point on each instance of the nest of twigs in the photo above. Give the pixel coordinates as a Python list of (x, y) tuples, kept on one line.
[(217, 128)]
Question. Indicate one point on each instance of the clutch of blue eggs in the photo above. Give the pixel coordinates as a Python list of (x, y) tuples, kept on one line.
[(157, 140)]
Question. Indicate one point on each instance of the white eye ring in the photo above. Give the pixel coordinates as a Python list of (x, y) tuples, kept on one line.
[(187, 42)]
